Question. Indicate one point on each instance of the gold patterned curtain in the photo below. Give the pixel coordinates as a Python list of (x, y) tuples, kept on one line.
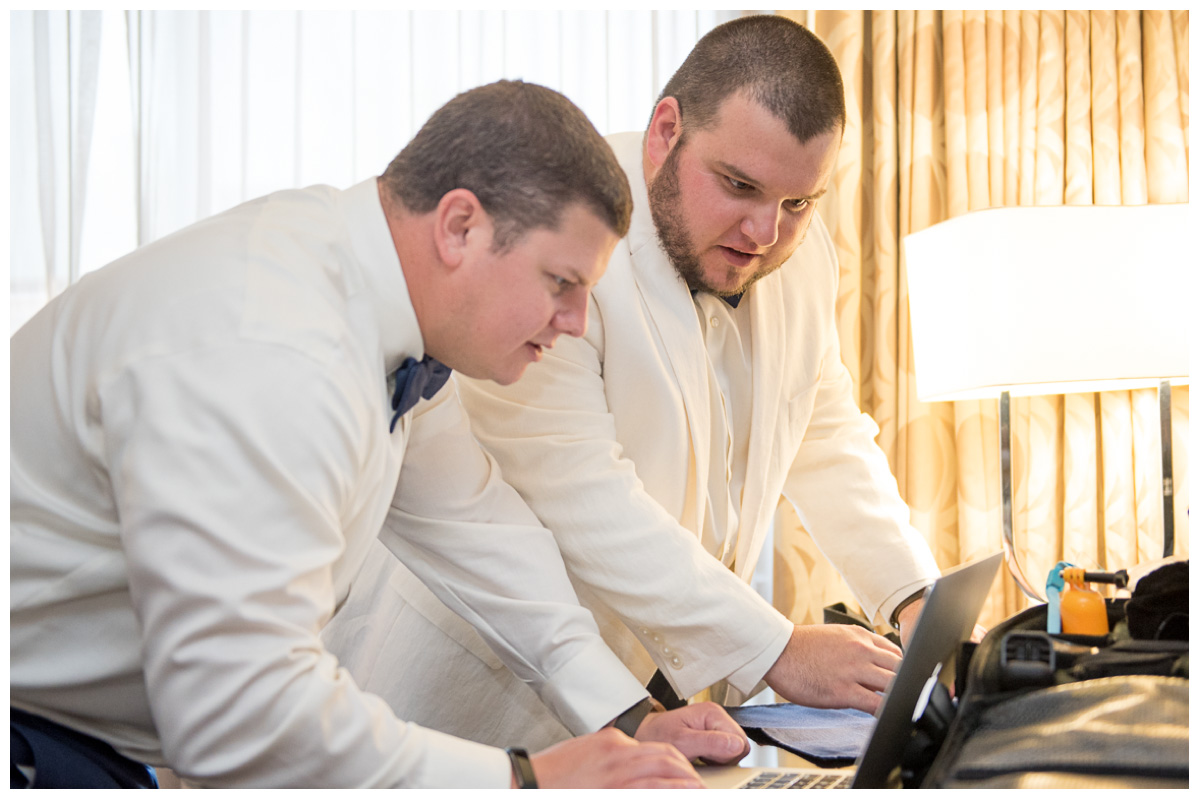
[(951, 111)]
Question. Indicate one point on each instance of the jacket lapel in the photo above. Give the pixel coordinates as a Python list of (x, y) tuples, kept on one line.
[(766, 311), (671, 311)]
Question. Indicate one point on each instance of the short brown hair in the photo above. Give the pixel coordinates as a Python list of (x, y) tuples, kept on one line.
[(527, 153), (782, 65)]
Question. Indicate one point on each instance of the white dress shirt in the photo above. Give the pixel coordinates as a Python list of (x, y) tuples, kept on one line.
[(727, 342), (200, 458)]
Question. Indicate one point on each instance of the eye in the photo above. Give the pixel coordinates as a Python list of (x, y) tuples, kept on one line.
[(738, 186), (560, 283), (796, 205)]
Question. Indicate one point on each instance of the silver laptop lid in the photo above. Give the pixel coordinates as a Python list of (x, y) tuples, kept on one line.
[(947, 618)]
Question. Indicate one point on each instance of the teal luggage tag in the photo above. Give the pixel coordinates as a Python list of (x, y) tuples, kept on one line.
[(1054, 586)]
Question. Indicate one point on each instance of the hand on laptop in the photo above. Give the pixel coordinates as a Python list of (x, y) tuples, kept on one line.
[(608, 759), (702, 730), (834, 666)]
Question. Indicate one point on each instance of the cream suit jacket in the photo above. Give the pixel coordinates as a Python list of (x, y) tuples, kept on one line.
[(608, 439), (201, 459)]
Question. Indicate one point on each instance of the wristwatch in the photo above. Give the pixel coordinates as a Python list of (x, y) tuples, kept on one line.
[(894, 620), (522, 768)]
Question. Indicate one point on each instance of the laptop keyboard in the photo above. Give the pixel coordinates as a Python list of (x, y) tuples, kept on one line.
[(798, 780)]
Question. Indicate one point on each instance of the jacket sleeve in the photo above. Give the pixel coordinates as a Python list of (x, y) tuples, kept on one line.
[(846, 497), (471, 539), (839, 480), (555, 439)]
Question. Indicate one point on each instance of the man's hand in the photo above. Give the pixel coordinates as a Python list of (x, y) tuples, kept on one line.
[(834, 666), (703, 730), (608, 759)]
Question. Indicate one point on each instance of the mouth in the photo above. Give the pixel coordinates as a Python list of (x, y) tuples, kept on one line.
[(738, 258), (536, 350)]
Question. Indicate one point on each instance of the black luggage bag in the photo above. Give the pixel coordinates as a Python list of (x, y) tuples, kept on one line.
[(1042, 710)]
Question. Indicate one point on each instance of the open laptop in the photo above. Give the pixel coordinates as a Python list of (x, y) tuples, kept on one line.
[(947, 618)]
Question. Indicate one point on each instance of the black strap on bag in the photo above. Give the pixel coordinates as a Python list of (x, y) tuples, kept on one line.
[(928, 735), (840, 614)]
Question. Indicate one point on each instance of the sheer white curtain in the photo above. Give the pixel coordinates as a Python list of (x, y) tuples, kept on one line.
[(126, 126)]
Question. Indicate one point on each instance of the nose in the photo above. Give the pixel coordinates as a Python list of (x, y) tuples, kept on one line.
[(761, 225), (571, 316)]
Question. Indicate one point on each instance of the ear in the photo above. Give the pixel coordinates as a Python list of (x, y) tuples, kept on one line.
[(459, 225), (666, 126)]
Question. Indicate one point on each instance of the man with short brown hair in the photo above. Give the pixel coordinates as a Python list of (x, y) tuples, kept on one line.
[(209, 433), (708, 385)]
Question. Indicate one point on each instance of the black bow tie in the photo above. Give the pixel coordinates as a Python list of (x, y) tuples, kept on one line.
[(414, 380)]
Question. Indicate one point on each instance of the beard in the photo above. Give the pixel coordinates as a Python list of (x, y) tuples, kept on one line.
[(676, 241)]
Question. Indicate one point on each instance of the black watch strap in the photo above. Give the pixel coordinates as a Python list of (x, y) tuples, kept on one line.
[(627, 722), (522, 768), (894, 620)]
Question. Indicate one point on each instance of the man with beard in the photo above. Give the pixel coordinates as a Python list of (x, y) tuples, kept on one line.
[(708, 385)]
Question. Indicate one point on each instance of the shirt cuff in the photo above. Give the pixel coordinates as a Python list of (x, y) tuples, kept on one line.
[(453, 763), (609, 689)]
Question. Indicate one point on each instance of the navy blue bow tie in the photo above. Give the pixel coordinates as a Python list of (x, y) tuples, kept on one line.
[(732, 299), (414, 380)]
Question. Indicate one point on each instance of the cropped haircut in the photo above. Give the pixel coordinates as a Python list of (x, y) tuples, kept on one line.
[(527, 153), (781, 65)]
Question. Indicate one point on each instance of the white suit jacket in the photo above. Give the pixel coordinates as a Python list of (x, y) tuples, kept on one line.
[(608, 440), (201, 460)]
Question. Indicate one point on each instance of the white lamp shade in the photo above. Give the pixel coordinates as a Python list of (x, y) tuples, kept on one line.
[(1050, 299)]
